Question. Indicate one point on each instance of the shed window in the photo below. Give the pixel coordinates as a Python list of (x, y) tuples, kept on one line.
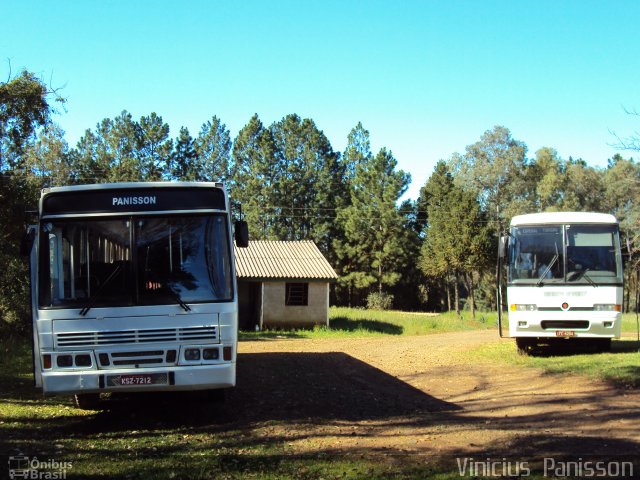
[(297, 294)]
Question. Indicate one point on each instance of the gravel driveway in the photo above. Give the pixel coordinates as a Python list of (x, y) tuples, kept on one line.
[(418, 396)]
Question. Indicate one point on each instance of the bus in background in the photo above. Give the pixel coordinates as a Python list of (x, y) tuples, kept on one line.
[(564, 279), (133, 289)]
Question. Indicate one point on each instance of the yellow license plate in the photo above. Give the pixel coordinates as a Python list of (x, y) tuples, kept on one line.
[(565, 333)]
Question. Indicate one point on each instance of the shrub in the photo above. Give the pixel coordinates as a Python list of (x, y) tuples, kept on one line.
[(379, 301)]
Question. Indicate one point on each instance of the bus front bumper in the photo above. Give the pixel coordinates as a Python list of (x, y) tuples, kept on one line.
[(203, 377), (596, 325)]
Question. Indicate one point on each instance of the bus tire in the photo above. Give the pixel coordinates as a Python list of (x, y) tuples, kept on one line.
[(87, 401), (217, 395), (602, 345), (523, 345)]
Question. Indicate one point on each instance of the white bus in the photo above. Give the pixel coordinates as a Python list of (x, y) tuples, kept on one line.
[(564, 278), (133, 289)]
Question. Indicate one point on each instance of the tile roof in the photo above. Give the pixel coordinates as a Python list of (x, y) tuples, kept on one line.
[(293, 260)]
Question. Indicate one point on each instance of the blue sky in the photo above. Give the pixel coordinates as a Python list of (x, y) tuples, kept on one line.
[(426, 78)]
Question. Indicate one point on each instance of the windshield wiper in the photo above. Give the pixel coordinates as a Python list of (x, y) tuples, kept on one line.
[(577, 275), (178, 298), (547, 270), (111, 276)]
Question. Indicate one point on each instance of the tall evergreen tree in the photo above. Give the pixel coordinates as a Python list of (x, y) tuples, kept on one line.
[(153, 147), (184, 158), (358, 151), (435, 256), (124, 150), (115, 149), (47, 160), (308, 182), (373, 225), (458, 243), (410, 291), (213, 147), (253, 175)]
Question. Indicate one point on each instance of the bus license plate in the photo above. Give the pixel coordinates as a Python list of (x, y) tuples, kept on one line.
[(565, 333), (137, 379)]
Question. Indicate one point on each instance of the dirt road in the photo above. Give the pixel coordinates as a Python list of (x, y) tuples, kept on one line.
[(414, 395)]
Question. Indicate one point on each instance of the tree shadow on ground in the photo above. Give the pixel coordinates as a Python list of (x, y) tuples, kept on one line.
[(374, 326), (317, 388), (313, 387)]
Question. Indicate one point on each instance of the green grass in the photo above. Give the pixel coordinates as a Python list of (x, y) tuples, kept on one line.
[(629, 323), (620, 367), (356, 322)]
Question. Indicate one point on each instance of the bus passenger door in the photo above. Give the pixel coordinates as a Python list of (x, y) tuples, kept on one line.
[(29, 250)]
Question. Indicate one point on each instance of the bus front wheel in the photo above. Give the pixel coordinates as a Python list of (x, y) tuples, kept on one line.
[(601, 345), (523, 345), (87, 401)]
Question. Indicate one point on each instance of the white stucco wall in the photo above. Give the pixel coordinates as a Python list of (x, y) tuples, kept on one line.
[(276, 313)]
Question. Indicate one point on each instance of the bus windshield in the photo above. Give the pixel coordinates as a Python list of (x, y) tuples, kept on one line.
[(565, 254), (134, 261)]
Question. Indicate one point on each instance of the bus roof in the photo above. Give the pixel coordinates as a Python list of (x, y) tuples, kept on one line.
[(132, 198), (131, 185), (562, 218)]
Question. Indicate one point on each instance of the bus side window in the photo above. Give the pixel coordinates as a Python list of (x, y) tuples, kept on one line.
[(54, 267)]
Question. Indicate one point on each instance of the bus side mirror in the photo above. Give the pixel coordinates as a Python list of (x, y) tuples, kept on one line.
[(241, 229), (26, 244), (502, 246)]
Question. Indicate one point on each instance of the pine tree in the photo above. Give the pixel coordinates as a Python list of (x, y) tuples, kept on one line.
[(308, 182), (458, 241), (213, 147), (254, 172), (373, 225), (153, 149), (184, 158)]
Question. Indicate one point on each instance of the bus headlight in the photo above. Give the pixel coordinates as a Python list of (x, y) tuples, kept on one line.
[(523, 307), (210, 354), (70, 360), (192, 354), (64, 361), (607, 307), (83, 360)]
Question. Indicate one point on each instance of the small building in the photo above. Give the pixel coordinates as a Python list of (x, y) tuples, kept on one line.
[(282, 284)]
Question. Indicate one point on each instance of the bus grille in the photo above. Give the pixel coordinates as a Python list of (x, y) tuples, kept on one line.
[(567, 324), (126, 337), (119, 359)]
